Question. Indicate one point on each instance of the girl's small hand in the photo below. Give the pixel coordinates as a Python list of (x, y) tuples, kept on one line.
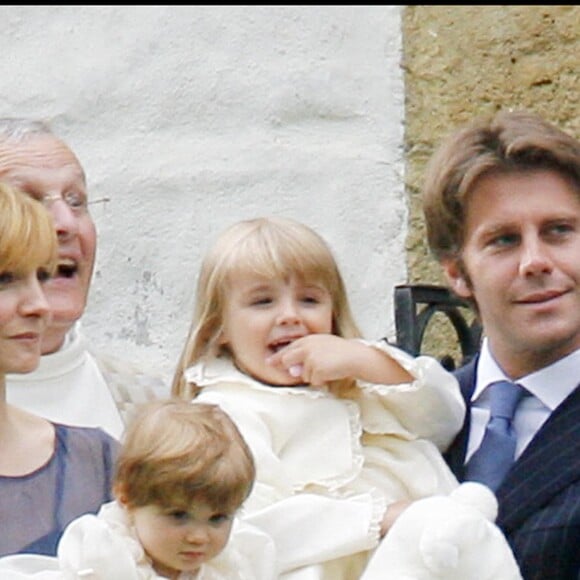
[(296, 371), (318, 358)]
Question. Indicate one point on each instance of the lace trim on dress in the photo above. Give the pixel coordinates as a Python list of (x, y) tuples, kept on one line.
[(405, 360)]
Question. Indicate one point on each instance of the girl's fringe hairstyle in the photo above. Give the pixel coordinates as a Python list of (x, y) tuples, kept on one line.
[(273, 247), (175, 452), (27, 236)]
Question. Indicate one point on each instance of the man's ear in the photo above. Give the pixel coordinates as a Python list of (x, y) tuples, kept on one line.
[(457, 278)]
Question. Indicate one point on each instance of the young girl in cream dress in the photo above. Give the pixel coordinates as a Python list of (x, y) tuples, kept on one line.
[(345, 432)]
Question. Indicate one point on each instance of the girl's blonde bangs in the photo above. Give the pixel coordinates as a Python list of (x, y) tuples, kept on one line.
[(274, 254)]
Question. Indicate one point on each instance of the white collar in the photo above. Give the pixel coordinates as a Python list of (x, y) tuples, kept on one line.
[(222, 370), (551, 384)]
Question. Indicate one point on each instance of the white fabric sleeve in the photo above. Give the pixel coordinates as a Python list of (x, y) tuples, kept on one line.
[(30, 567), (329, 528), (250, 554), (89, 549), (430, 407)]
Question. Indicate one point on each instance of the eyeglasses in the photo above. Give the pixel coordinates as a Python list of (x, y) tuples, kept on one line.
[(76, 202)]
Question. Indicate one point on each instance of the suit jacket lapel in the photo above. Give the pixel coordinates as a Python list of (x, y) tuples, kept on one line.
[(455, 455), (548, 464)]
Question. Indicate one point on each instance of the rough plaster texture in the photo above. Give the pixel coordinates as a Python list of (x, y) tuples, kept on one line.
[(463, 61), (190, 118)]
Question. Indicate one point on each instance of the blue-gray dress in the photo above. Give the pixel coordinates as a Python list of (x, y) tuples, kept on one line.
[(77, 479)]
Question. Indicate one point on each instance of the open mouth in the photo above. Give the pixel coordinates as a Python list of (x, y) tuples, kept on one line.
[(66, 268), (277, 345)]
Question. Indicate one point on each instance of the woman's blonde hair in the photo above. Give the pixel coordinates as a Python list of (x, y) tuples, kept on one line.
[(27, 236), (273, 247), (176, 452)]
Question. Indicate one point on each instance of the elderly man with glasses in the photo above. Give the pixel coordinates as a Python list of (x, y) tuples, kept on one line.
[(72, 384)]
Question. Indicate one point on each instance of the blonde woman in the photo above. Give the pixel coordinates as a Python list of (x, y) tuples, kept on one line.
[(50, 473)]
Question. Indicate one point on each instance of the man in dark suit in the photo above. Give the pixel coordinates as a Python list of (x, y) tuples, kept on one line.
[(502, 208)]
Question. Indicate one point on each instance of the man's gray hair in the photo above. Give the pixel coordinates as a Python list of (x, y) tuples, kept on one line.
[(18, 128)]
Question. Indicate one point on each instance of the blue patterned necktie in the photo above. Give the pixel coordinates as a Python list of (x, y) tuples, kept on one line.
[(491, 462)]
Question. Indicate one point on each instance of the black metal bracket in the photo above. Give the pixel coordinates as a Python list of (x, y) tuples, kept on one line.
[(415, 305)]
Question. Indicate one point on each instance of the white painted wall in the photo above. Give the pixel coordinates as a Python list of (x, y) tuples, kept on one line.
[(192, 117)]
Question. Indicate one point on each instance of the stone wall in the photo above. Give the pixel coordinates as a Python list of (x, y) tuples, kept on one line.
[(463, 61)]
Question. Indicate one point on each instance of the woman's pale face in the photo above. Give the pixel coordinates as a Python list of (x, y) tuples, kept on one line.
[(24, 316)]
